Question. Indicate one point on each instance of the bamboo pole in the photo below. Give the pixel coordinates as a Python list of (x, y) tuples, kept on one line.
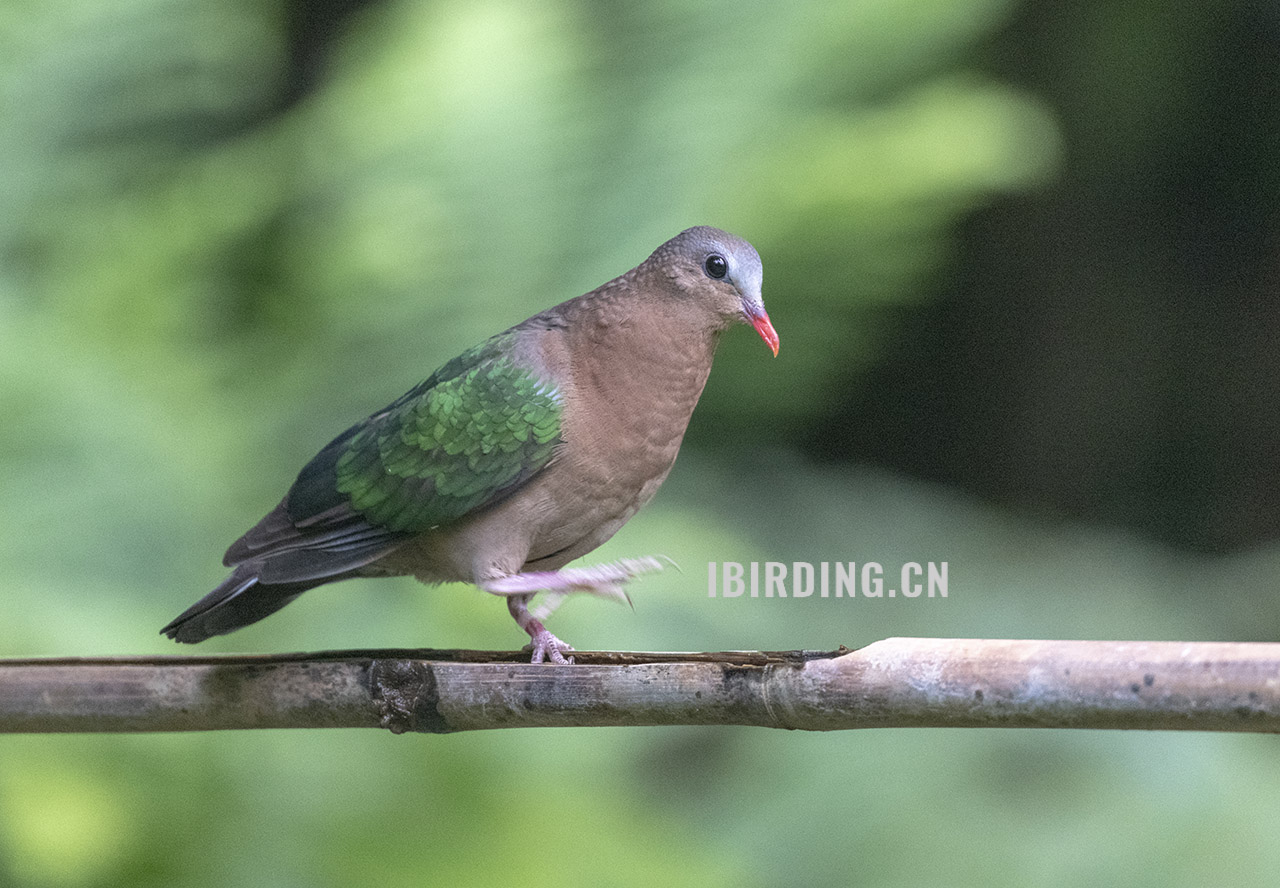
[(897, 682)]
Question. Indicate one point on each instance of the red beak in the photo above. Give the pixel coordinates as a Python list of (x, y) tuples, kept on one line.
[(765, 328)]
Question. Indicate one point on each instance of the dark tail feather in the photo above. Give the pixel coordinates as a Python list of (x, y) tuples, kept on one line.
[(239, 600)]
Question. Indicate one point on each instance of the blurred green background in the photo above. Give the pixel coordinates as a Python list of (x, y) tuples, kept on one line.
[(1023, 259)]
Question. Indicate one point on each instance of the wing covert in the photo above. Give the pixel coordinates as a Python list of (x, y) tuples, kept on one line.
[(470, 435)]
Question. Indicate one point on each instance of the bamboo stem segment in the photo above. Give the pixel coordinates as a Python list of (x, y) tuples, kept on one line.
[(897, 682)]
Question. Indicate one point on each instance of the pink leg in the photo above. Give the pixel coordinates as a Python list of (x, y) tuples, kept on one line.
[(603, 580), (544, 643)]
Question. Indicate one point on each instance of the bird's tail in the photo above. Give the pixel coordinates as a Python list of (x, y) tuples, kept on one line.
[(238, 600)]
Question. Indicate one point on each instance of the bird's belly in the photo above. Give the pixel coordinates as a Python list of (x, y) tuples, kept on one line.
[(602, 506)]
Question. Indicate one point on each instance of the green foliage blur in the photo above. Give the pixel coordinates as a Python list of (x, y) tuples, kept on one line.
[(214, 257)]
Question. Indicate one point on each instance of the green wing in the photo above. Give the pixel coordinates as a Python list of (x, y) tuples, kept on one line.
[(465, 438)]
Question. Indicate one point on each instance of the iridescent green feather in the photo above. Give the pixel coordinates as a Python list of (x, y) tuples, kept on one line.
[(478, 428)]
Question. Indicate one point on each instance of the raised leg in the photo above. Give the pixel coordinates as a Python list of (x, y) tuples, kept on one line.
[(604, 581)]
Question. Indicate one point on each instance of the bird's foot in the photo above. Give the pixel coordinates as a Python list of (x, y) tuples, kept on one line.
[(544, 645), (602, 580)]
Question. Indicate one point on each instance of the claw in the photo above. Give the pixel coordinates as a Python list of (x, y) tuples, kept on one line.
[(603, 581), (543, 644), (546, 646)]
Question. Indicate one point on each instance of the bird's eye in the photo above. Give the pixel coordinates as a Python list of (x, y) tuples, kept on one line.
[(715, 266)]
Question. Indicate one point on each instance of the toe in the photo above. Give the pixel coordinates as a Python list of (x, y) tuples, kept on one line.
[(547, 647)]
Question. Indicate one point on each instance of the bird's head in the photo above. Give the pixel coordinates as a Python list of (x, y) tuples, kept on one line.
[(723, 272)]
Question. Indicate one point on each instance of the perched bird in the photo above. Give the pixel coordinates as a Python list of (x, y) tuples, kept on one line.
[(516, 457)]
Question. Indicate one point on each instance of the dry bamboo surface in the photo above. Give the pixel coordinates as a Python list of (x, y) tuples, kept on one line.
[(897, 682)]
